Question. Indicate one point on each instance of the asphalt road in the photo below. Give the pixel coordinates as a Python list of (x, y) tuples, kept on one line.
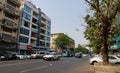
[(64, 65)]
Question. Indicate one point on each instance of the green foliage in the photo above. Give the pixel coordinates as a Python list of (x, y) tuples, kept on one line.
[(101, 24), (62, 41), (81, 49)]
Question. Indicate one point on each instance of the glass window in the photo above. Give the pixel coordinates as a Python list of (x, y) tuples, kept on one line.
[(49, 23), (24, 31), (48, 28), (48, 38), (26, 8), (26, 16), (23, 39), (111, 57), (7, 30), (25, 23)]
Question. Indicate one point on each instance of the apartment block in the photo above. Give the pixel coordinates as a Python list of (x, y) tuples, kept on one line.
[(34, 29), (53, 45), (9, 22)]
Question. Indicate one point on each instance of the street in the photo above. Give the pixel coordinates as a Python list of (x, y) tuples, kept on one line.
[(64, 65)]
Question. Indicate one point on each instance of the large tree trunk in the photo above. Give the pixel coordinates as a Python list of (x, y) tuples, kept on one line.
[(105, 35)]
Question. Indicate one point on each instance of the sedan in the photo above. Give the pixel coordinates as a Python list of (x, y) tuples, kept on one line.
[(52, 56), (112, 59)]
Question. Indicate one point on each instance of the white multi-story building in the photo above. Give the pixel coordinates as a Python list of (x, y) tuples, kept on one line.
[(34, 29)]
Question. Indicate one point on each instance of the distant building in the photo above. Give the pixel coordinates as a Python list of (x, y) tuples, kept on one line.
[(9, 21), (35, 29), (116, 44), (53, 45)]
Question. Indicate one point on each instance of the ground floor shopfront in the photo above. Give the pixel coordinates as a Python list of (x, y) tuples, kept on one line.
[(28, 49), (8, 46)]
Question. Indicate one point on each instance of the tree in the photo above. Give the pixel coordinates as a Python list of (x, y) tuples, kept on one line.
[(62, 42), (80, 48), (100, 27)]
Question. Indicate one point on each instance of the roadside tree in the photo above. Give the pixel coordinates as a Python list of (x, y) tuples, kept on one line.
[(101, 27)]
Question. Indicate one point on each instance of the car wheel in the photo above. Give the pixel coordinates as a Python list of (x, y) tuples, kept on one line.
[(94, 62)]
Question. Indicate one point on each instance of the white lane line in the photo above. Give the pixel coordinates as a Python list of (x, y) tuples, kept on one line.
[(19, 63), (33, 69)]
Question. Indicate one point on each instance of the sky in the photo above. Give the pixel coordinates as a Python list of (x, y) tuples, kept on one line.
[(66, 16)]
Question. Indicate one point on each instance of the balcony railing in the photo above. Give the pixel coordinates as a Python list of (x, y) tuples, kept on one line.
[(17, 2), (34, 30), (15, 26), (11, 10), (14, 40), (1, 5), (8, 38), (7, 22)]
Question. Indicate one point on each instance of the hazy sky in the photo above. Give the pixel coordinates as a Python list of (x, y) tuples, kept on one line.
[(66, 16)]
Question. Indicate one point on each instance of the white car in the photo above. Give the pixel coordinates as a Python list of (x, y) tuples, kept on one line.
[(51, 56), (21, 56), (38, 54), (112, 59)]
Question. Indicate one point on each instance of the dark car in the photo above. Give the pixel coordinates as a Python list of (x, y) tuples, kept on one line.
[(78, 55), (8, 56)]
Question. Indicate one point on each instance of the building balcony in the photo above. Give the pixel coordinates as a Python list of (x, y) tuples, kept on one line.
[(14, 40), (43, 22), (8, 38), (12, 10), (9, 24), (34, 30), (15, 26), (43, 28), (1, 5), (17, 2)]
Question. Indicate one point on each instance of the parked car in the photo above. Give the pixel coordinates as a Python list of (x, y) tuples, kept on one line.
[(38, 54), (21, 56), (51, 56), (78, 55), (8, 56), (112, 59)]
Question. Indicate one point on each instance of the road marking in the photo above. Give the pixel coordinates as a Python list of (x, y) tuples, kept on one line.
[(19, 63), (33, 69)]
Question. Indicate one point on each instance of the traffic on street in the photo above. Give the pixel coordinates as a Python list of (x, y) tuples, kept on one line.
[(63, 65)]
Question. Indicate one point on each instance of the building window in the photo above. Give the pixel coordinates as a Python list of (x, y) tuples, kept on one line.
[(25, 23), (26, 16), (48, 28), (24, 31), (48, 33), (48, 23), (23, 39), (9, 16), (26, 8), (7, 30), (48, 38)]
